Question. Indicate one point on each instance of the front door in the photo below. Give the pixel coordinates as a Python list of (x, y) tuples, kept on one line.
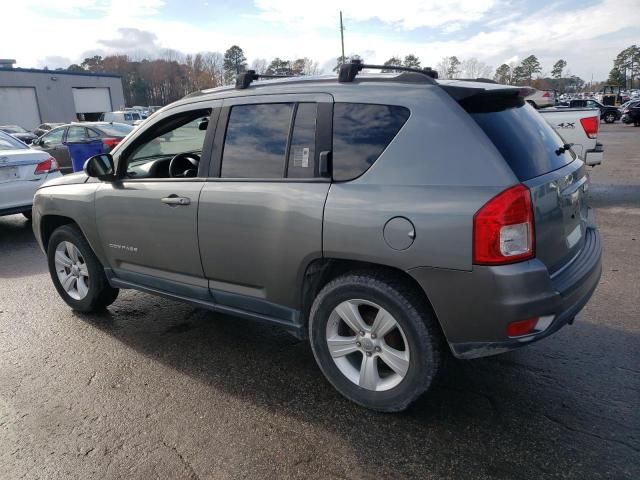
[(260, 218), (147, 220), (53, 144)]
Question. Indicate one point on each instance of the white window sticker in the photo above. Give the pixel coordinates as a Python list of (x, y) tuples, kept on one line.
[(301, 157)]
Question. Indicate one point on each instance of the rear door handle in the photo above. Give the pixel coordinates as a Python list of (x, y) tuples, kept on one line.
[(175, 200)]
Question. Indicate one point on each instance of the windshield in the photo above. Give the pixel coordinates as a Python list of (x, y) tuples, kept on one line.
[(13, 129), (7, 142), (116, 129), (527, 142)]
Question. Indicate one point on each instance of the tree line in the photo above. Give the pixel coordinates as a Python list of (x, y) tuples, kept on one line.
[(173, 74)]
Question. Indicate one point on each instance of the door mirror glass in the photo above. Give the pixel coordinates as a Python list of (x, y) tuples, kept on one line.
[(99, 166)]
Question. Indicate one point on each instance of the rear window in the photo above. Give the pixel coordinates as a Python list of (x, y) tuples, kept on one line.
[(116, 129), (361, 132), (7, 142), (527, 142)]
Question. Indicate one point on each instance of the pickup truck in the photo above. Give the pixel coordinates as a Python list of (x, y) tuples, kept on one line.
[(578, 127), (608, 113)]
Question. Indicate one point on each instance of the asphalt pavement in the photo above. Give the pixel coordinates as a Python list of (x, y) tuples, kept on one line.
[(157, 389)]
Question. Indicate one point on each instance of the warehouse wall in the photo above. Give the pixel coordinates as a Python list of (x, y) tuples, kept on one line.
[(54, 91)]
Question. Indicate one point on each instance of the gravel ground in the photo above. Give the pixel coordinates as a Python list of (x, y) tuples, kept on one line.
[(157, 389)]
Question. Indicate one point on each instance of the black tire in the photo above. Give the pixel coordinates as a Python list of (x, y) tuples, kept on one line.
[(411, 312), (532, 103), (609, 117), (100, 293), (27, 214)]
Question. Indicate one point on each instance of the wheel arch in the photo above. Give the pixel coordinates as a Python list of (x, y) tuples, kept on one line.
[(321, 271), (49, 223)]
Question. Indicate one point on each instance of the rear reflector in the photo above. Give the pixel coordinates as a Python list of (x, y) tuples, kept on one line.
[(522, 327), (503, 228), (47, 166), (590, 125), (529, 326)]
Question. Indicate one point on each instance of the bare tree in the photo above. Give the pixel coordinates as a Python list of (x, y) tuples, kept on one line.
[(259, 65), (474, 68)]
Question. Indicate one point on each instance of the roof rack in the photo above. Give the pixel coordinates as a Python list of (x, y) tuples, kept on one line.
[(348, 71), (244, 79)]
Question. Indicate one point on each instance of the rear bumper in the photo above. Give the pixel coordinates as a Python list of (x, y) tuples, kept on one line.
[(595, 156), (474, 308)]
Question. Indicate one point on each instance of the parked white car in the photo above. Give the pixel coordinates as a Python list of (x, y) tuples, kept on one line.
[(22, 171), (131, 117), (542, 98)]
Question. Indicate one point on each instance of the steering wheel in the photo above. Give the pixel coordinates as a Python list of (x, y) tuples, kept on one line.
[(184, 165)]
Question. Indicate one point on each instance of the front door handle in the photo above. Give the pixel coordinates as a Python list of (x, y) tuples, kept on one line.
[(176, 200)]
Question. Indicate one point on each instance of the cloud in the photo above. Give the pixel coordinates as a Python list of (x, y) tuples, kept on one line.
[(54, 61), (588, 37), (411, 14), (132, 39)]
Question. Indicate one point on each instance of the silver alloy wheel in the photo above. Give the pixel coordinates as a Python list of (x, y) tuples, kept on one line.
[(350, 337), (72, 270)]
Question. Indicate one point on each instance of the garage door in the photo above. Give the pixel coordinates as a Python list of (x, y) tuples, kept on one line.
[(18, 106), (92, 100)]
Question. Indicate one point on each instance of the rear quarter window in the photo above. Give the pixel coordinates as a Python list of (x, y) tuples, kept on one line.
[(361, 132), (527, 142)]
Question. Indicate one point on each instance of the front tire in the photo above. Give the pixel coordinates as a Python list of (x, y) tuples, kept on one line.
[(376, 340), (76, 272), (609, 118)]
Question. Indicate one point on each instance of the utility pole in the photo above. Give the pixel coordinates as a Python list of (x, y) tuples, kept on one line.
[(342, 36)]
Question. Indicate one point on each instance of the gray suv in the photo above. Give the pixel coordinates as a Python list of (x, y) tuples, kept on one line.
[(388, 218)]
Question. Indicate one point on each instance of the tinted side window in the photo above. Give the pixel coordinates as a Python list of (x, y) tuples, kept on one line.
[(303, 142), (361, 132), (53, 138), (127, 116), (256, 141)]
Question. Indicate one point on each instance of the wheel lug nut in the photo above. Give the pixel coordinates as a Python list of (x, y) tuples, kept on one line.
[(373, 335), (368, 354), (358, 344), (377, 349), (361, 333)]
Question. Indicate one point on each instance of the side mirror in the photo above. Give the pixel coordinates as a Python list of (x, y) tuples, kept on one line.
[(100, 166)]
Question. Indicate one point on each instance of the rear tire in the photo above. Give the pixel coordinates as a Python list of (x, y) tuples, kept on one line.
[(609, 118), (384, 371), (77, 273)]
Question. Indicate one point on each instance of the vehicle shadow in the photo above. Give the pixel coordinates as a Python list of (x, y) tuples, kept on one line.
[(563, 407), (18, 247)]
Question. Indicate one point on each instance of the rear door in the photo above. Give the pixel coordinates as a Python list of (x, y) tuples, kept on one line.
[(556, 177), (260, 216)]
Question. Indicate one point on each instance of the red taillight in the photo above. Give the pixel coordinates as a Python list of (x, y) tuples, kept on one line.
[(503, 228), (109, 143), (590, 125), (47, 166), (522, 327), (546, 94)]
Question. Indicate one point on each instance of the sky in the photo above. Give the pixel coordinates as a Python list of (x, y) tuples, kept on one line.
[(588, 34)]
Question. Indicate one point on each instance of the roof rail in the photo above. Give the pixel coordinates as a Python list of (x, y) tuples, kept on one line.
[(244, 79), (348, 71)]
